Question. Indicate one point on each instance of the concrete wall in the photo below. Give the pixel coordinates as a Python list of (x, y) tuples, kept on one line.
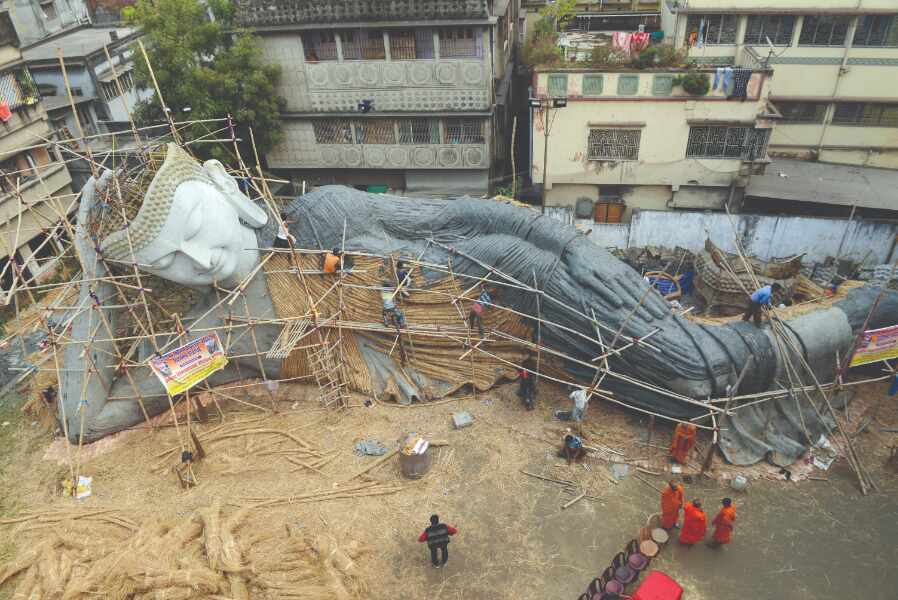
[(763, 236), (456, 84), (300, 150)]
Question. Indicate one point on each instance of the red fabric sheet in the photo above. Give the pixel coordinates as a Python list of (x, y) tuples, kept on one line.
[(658, 586)]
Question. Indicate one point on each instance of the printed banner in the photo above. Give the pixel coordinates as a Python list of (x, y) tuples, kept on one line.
[(184, 367), (876, 345)]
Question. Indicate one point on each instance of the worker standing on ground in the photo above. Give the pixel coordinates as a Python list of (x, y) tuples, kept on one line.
[(760, 298), (437, 538), (724, 524), (671, 503), (695, 524), (682, 442), (527, 383), (478, 309), (332, 261), (580, 397), (391, 313)]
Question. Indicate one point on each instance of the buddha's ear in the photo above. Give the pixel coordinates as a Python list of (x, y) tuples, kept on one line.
[(251, 214)]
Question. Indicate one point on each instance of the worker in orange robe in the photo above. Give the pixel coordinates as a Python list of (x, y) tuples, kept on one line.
[(682, 442), (723, 524), (671, 503), (332, 261), (695, 524)]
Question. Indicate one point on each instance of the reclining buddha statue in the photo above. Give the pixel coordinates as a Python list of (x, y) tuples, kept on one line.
[(191, 229)]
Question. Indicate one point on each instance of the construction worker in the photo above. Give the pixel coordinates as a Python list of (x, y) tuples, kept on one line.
[(682, 442), (437, 538), (695, 524), (332, 261), (572, 449), (761, 297), (580, 398), (475, 317), (391, 313), (723, 524), (671, 503), (403, 278), (527, 383)]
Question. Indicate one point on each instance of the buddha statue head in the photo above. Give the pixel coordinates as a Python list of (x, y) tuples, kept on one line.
[(190, 224)]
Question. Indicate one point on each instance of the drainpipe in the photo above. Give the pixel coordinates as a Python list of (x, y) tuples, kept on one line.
[(843, 68)]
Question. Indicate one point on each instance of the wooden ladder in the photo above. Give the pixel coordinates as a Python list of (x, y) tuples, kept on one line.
[(326, 363)]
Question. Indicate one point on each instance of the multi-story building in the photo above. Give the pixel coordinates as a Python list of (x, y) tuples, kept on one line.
[(32, 171), (104, 94), (35, 20), (407, 96), (836, 68), (637, 138)]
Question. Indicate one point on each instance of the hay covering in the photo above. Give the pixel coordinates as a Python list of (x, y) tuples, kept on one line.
[(433, 367), (201, 556)]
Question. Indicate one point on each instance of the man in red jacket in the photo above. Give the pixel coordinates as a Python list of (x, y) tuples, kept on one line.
[(695, 524), (437, 537)]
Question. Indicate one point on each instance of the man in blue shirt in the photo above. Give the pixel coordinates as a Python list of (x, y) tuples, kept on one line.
[(761, 297)]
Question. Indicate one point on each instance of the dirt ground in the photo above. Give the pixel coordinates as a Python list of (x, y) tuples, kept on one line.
[(816, 539)]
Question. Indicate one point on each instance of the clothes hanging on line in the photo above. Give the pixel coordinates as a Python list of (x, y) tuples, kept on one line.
[(740, 82), (5, 113), (693, 37), (723, 77), (657, 36), (638, 42), (620, 41), (701, 35)]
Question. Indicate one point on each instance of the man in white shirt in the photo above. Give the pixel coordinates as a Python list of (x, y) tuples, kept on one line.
[(581, 400)]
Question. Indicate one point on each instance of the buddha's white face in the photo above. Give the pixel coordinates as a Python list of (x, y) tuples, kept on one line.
[(204, 240)]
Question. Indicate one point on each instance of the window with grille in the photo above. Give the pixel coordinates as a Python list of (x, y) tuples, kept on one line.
[(558, 85), (778, 28), (802, 112), (42, 247), (319, 46), (877, 30), (824, 31), (17, 88), (464, 131), (363, 44), (613, 144), (719, 30), (333, 131), (419, 131), (460, 42), (866, 113), (592, 85), (110, 92), (727, 142), (409, 44), (380, 131)]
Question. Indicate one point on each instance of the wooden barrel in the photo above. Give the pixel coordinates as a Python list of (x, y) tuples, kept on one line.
[(660, 536), (414, 466)]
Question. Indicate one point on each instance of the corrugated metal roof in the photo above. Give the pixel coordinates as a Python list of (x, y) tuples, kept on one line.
[(826, 183)]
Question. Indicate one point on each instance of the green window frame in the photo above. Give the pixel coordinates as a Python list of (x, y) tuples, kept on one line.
[(662, 85), (558, 85), (593, 85), (627, 85)]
